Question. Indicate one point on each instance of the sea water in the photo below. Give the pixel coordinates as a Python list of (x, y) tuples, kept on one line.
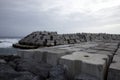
[(6, 46)]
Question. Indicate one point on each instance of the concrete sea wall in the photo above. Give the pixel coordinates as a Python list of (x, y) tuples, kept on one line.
[(83, 56)]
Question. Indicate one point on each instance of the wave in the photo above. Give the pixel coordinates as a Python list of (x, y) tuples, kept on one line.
[(7, 43)]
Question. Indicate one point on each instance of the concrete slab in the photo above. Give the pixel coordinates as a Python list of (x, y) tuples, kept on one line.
[(31, 54), (118, 52), (91, 51), (85, 63), (53, 55), (47, 55), (101, 48), (114, 69), (73, 49), (108, 44), (86, 44), (108, 53)]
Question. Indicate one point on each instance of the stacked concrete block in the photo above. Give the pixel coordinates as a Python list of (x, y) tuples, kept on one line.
[(66, 37), (39, 43), (56, 37), (38, 38), (59, 42), (71, 41), (61, 39), (44, 33), (53, 33), (46, 37), (77, 40), (50, 43), (72, 36), (79, 63), (88, 37)]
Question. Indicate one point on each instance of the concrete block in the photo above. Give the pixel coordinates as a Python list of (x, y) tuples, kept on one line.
[(60, 46), (50, 43), (40, 43), (59, 42), (31, 54), (25, 53), (72, 49), (55, 37), (47, 55), (46, 37), (86, 45), (53, 55), (65, 42), (109, 44), (114, 69), (85, 63), (102, 52), (72, 36), (71, 41), (108, 53), (66, 37), (77, 40), (118, 52), (53, 33), (44, 33), (91, 51), (103, 48)]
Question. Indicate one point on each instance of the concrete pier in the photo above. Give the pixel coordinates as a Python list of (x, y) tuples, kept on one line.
[(88, 60)]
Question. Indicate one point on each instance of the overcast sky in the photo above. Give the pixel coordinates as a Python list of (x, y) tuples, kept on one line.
[(21, 17)]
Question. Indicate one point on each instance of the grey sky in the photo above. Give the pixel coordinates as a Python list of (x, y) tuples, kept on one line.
[(21, 17)]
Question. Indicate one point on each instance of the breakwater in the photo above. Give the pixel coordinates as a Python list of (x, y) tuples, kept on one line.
[(45, 39)]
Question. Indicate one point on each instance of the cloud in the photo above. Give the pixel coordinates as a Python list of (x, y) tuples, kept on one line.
[(24, 16)]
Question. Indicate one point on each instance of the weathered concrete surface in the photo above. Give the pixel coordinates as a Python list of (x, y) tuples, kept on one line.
[(30, 55), (47, 55), (87, 60), (81, 56), (77, 47), (118, 52), (85, 63), (114, 69)]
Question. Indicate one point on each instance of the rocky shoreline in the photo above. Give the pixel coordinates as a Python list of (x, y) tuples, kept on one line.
[(15, 68)]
